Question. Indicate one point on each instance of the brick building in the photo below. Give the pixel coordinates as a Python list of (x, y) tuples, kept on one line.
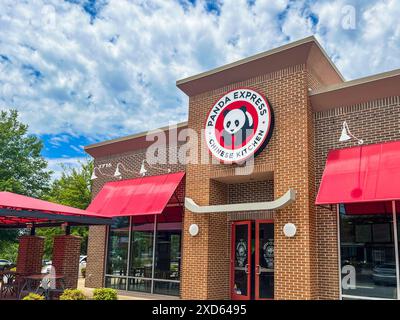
[(212, 229)]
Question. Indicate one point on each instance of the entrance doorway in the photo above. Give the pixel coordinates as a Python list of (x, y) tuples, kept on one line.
[(252, 260)]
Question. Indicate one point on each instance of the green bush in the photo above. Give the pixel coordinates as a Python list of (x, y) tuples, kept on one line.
[(83, 272), (105, 294), (33, 296), (72, 294), (8, 249)]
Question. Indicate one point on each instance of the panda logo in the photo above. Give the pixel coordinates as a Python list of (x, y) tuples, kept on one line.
[(238, 126)]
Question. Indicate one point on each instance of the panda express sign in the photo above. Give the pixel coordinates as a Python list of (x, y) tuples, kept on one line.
[(238, 126)]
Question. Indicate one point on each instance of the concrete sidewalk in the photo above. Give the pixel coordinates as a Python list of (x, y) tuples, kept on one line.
[(126, 295)]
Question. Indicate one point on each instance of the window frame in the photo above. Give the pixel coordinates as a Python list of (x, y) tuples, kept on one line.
[(127, 277)]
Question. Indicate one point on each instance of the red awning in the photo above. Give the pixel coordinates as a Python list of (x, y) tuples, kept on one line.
[(17, 210), (361, 174), (141, 196)]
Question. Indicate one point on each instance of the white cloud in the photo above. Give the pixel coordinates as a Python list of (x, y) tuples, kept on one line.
[(56, 165), (116, 75), (372, 47), (58, 140), (78, 149)]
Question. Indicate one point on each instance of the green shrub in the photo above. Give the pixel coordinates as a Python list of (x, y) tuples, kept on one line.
[(72, 294), (33, 296), (83, 272), (105, 294)]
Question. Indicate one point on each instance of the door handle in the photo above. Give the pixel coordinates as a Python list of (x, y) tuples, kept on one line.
[(258, 269), (246, 268)]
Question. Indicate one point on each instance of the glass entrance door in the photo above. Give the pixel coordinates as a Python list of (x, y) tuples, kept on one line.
[(241, 260), (252, 260), (264, 260)]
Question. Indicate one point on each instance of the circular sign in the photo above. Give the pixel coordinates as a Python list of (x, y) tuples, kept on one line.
[(238, 125)]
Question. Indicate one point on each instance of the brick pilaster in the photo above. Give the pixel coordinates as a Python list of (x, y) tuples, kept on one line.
[(30, 254), (96, 256), (66, 251)]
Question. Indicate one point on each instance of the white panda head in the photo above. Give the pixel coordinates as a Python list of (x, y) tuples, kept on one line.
[(235, 119)]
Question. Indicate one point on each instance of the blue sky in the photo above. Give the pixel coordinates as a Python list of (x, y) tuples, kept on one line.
[(83, 71)]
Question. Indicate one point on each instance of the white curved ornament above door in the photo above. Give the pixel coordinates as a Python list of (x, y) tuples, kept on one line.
[(279, 203)]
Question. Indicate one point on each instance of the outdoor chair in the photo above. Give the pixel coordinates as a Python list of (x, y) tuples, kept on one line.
[(8, 284)]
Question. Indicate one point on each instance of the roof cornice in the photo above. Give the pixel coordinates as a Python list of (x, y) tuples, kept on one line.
[(294, 53), (362, 90)]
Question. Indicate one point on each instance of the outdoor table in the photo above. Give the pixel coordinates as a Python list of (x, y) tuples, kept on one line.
[(4, 272), (41, 284)]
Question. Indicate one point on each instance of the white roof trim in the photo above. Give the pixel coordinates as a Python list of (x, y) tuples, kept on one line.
[(356, 82), (136, 135), (279, 203)]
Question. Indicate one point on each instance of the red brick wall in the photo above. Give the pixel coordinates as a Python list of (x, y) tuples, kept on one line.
[(306, 266), (290, 156), (97, 242), (256, 191), (30, 254), (66, 251), (218, 245), (96, 255), (131, 161), (374, 122)]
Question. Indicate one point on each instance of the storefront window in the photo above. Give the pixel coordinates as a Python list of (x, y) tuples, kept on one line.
[(168, 254), (167, 288), (118, 247), (117, 283), (141, 253), (368, 257), (137, 284), (154, 259)]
